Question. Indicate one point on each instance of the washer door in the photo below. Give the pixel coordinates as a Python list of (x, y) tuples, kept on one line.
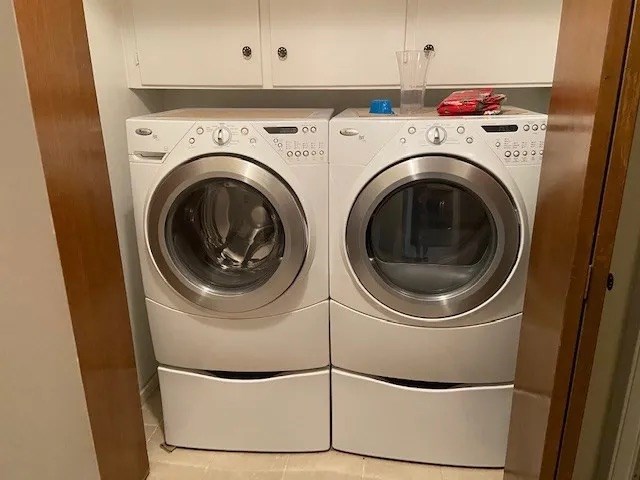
[(226, 233), (433, 236)]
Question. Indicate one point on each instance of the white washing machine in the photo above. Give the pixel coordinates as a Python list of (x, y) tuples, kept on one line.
[(430, 226), (231, 213)]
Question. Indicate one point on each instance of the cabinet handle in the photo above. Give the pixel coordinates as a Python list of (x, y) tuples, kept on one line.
[(246, 52), (282, 53)]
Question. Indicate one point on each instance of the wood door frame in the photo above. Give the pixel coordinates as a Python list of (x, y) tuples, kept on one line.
[(607, 223), (595, 99), (63, 99)]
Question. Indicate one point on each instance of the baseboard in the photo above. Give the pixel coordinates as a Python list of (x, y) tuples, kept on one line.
[(151, 386)]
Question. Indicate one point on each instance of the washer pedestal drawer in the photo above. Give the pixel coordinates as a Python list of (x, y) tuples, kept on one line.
[(465, 426), (282, 413)]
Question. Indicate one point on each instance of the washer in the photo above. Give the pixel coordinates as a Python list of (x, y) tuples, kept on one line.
[(430, 227), (231, 230)]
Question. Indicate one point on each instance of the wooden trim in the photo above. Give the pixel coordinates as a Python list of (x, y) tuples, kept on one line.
[(589, 64), (58, 65), (611, 204)]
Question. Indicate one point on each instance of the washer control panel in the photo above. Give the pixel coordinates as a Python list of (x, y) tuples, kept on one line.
[(300, 142), (294, 142)]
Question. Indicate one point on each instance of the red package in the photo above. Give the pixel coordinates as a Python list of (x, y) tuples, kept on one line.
[(479, 101)]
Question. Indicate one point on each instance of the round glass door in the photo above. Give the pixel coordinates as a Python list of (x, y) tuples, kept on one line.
[(433, 237), (226, 233)]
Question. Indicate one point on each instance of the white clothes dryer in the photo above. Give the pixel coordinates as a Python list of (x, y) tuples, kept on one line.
[(231, 213), (430, 227)]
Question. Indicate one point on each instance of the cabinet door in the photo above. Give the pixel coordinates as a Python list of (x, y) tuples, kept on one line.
[(198, 42), (489, 42), (336, 43)]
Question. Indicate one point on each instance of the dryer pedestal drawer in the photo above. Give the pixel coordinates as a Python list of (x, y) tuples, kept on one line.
[(283, 413), (456, 426), (479, 354)]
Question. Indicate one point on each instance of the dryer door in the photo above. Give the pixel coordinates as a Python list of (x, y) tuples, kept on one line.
[(433, 236), (226, 233)]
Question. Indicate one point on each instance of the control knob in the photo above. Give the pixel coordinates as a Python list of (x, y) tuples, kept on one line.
[(436, 135), (221, 136)]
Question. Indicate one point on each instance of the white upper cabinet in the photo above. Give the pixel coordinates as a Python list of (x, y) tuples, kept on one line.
[(336, 43), (488, 42), (197, 43)]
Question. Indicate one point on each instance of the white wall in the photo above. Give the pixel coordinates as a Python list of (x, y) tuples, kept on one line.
[(116, 103), (536, 99), (43, 415)]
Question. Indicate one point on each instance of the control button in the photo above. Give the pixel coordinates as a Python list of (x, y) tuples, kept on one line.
[(403, 140), (436, 135), (507, 154), (534, 127), (221, 136), (305, 129), (244, 131), (461, 130), (305, 153), (526, 128), (298, 153), (200, 130), (469, 139), (192, 140), (279, 145), (498, 144), (313, 129), (516, 153), (289, 153), (533, 152), (321, 152), (412, 130), (525, 153), (543, 127), (252, 140), (540, 152), (275, 140), (313, 152)]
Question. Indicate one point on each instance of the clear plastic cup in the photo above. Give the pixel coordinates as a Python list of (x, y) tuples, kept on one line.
[(413, 66)]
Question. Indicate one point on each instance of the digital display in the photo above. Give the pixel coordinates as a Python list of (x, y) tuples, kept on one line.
[(500, 128), (281, 130)]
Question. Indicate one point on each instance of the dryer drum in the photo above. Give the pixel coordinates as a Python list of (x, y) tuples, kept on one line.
[(433, 236)]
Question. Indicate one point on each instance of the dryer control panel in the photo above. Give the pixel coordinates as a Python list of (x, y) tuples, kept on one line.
[(517, 143), (515, 139)]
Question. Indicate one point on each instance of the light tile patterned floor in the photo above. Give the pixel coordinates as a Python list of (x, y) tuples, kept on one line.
[(185, 464)]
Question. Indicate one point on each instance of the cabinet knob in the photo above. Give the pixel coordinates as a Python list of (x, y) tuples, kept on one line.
[(282, 53), (246, 52), (429, 49)]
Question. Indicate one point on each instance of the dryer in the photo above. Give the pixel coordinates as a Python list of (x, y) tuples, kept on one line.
[(430, 227), (231, 213)]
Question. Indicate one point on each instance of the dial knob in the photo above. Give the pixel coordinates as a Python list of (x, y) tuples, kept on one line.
[(221, 136), (436, 135)]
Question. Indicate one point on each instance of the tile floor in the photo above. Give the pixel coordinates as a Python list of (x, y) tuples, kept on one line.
[(185, 464)]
